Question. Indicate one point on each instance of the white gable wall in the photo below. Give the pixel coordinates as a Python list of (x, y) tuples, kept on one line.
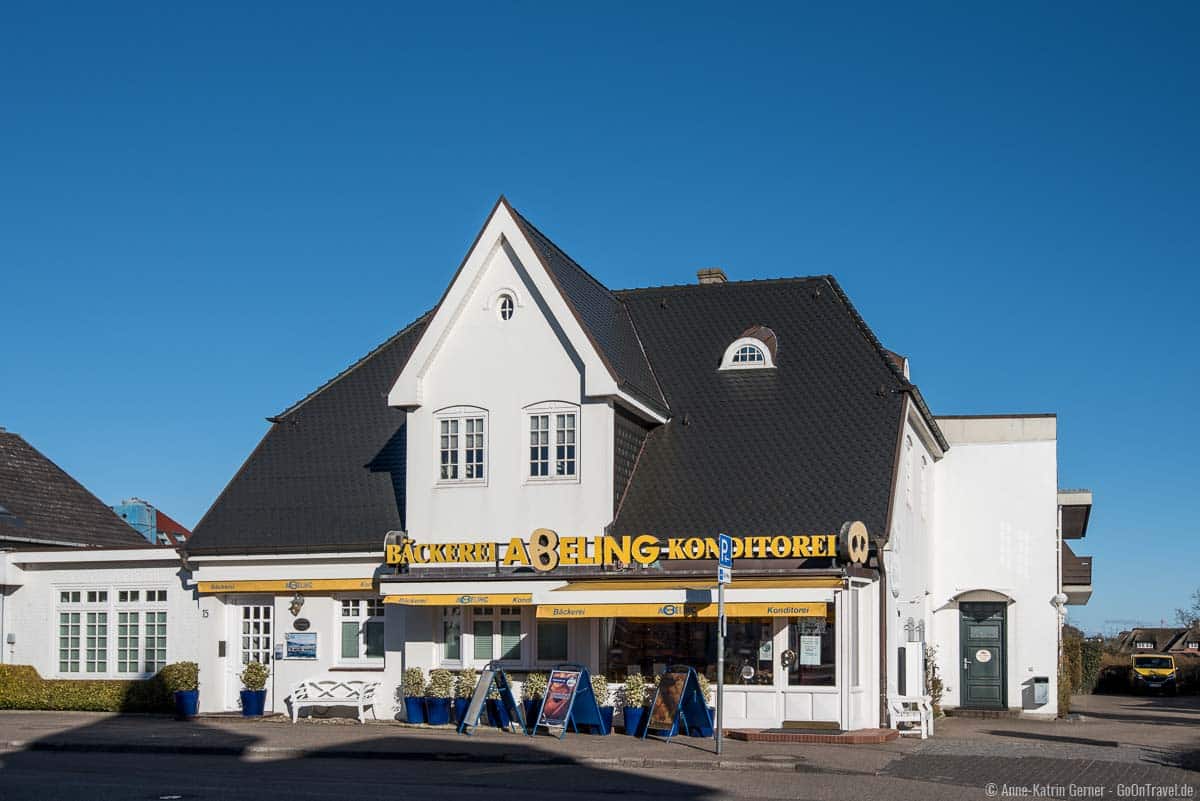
[(503, 367)]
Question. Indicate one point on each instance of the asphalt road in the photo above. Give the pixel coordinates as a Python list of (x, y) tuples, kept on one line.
[(48, 776)]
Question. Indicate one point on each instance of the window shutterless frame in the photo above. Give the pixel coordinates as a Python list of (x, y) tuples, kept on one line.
[(110, 631), (461, 442), (552, 440)]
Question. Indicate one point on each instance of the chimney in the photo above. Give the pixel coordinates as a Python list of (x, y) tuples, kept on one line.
[(711, 275)]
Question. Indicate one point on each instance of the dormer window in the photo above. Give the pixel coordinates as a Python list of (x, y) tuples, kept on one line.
[(755, 349), (1143, 645), (749, 355)]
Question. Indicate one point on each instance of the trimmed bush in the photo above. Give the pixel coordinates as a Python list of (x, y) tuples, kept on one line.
[(254, 676), (414, 683), (600, 689), (634, 693), (464, 683), (1064, 683), (181, 676), (534, 686), (441, 684), (22, 688)]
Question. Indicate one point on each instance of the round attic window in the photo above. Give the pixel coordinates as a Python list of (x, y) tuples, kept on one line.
[(506, 307)]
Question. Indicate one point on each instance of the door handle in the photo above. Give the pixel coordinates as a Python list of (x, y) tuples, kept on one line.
[(966, 662)]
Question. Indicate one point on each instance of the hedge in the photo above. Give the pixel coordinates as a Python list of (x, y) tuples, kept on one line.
[(22, 688)]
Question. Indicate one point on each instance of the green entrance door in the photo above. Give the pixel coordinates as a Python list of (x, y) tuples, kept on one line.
[(981, 634)]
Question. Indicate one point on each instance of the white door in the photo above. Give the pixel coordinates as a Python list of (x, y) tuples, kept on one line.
[(252, 642)]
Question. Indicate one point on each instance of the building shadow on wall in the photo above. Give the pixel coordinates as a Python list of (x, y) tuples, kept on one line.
[(392, 459)]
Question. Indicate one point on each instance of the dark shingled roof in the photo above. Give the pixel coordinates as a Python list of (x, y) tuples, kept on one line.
[(329, 474), (42, 505), (797, 449), (602, 316), (800, 448)]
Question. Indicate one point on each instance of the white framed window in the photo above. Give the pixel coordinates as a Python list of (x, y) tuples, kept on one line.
[(496, 634), (747, 353), (1144, 645), (361, 630), (1193, 645), (462, 445), (112, 631), (506, 307), (553, 453)]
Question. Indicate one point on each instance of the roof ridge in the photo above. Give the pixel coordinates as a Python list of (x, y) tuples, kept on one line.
[(357, 363), (778, 280), (555, 245)]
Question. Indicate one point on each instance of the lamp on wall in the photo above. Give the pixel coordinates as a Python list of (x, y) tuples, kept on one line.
[(296, 605)]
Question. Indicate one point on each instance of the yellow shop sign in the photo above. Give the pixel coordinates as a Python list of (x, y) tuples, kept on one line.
[(545, 550)]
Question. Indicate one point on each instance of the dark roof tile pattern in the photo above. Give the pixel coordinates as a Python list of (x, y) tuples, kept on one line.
[(603, 316), (796, 449), (45, 503), (329, 474)]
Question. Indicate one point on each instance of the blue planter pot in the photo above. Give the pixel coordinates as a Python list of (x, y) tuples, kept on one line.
[(460, 708), (497, 714), (606, 714), (187, 703), (253, 703), (531, 708), (437, 711), (634, 720), (414, 709)]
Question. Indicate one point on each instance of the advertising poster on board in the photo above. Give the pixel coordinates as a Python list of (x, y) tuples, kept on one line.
[(559, 691)]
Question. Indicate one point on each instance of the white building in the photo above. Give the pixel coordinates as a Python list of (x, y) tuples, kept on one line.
[(533, 405), (82, 595)]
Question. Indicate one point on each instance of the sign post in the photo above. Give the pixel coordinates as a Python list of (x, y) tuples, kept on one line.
[(724, 576)]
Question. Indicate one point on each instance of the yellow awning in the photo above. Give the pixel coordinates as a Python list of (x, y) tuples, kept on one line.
[(286, 585), (800, 582), (707, 611), (491, 599)]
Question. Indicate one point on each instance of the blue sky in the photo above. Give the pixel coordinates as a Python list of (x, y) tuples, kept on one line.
[(206, 213)]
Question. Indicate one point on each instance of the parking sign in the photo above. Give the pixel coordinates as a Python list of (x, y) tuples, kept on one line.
[(725, 559)]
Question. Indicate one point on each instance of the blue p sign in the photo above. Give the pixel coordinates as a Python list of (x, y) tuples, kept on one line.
[(725, 558)]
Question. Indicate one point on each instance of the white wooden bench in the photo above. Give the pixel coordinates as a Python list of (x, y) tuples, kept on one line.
[(329, 691), (912, 709)]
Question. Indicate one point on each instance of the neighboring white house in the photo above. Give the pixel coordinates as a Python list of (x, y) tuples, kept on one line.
[(82, 595)]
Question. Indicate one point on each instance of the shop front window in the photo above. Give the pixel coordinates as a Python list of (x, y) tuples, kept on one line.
[(811, 646), (552, 642), (496, 633), (650, 646)]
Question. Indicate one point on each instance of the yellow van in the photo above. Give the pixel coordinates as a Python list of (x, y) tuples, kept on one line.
[(1152, 672)]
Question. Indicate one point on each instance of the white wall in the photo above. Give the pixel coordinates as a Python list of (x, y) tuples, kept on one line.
[(31, 605), (995, 535), (909, 549), (220, 621), (503, 367)]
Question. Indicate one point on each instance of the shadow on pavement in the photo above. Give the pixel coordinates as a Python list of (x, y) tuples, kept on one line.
[(107, 759), (1053, 738)]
